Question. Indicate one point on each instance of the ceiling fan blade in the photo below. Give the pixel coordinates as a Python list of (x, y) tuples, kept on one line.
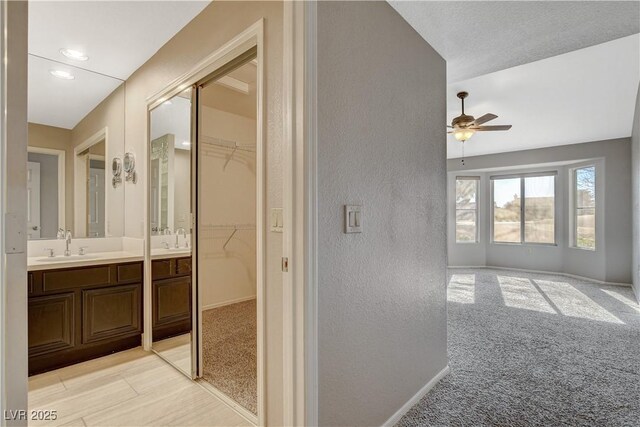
[(484, 119), (491, 128)]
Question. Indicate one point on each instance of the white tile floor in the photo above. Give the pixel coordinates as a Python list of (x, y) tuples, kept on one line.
[(130, 388)]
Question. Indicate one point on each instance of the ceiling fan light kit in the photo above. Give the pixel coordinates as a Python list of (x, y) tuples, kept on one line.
[(465, 126)]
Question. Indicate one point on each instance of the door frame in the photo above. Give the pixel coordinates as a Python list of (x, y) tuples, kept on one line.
[(61, 154), (300, 323), (253, 36), (80, 184)]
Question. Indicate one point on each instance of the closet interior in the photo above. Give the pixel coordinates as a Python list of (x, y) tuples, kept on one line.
[(226, 242)]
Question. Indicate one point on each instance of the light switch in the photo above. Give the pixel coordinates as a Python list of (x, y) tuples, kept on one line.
[(15, 239), (353, 219), (277, 220)]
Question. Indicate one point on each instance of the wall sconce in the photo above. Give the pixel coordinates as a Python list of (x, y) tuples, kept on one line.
[(116, 169), (129, 165)]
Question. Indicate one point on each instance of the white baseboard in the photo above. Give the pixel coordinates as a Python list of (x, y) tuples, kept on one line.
[(555, 273), (223, 303), (416, 397)]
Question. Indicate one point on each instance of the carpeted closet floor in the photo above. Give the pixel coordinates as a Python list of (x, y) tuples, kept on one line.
[(533, 349), (229, 342)]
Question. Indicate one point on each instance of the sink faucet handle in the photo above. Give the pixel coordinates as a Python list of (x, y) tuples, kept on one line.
[(50, 251), (83, 250)]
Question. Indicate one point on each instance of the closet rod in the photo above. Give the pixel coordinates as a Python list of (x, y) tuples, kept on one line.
[(229, 145), (229, 226)]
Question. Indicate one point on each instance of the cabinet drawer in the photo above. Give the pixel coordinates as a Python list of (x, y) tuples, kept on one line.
[(51, 323), (129, 272), (183, 266), (74, 278), (161, 268), (113, 312)]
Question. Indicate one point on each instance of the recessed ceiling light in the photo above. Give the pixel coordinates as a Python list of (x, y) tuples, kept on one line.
[(65, 75), (186, 143), (76, 55)]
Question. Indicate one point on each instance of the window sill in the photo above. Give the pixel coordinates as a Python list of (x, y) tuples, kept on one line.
[(583, 249), (524, 244)]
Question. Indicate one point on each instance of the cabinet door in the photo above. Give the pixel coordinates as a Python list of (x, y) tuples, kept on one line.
[(51, 320), (111, 313), (171, 306)]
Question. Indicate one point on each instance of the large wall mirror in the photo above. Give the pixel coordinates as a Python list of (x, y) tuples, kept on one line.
[(75, 131)]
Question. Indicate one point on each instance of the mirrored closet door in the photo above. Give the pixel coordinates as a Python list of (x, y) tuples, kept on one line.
[(226, 245), (170, 230)]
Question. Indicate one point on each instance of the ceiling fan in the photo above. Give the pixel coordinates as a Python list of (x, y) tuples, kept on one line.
[(464, 126)]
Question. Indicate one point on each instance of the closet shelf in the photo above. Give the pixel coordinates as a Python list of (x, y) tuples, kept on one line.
[(229, 145), (233, 227), (207, 141), (205, 227)]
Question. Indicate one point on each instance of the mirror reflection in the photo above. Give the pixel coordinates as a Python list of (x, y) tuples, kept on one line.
[(170, 166), (76, 127), (170, 224)]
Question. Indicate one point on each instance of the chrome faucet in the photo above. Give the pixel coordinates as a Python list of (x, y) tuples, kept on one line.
[(67, 237), (184, 233)]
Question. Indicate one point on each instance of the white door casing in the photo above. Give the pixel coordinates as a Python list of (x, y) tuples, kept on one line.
[(33, 200)]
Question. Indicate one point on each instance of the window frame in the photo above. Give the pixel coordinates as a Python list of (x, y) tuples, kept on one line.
[(573, 237), (476, 210), (523, 196)]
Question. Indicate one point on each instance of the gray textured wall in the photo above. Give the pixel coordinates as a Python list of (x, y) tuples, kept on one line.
[(381, 143), (611, 261), (635, 171)]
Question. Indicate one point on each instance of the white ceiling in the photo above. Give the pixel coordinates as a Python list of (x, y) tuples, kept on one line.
[(62, 103), (118, 37), (581, 96), (173, 118), (480, 37)]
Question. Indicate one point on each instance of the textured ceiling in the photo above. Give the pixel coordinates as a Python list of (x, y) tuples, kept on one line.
[(480, 37), (581, 96)]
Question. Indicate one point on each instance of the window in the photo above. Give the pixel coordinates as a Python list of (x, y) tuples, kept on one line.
[(507, 216), (539, 209), (584, 219), (524, 208), (467, 209)]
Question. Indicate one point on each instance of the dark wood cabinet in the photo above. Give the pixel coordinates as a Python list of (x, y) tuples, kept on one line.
[(51, 325), (171, 297), (77, 314)]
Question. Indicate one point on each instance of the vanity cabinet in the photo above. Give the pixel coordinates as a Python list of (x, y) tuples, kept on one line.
[(171, 297), (77, 314)]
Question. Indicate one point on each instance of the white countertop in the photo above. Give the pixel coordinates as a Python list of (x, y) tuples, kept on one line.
[(162, 253), (97, 258)]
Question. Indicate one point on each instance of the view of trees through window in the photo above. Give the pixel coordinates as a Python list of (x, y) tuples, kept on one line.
[(506, 210), (538, 221), (466, 210), (585, 207)]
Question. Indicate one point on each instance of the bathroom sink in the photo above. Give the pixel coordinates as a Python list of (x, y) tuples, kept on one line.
[(62, 258)]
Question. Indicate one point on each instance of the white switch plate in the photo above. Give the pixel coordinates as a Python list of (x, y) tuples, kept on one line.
[(15, 239), (277, 220), (352, 218)]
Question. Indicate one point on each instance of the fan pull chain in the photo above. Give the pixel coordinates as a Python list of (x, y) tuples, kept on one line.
[(462, 153)]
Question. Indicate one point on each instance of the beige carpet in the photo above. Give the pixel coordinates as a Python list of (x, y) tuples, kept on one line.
[(229, 341)]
